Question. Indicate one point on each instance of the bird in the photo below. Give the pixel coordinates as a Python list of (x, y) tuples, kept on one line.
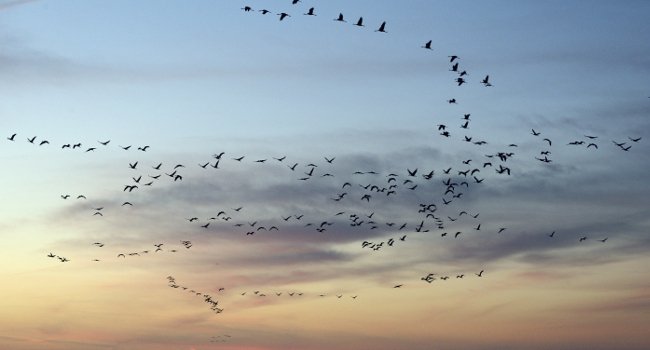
[(359, 22), (264, 11), (339, 18), (427, 46), (32, 139), (480, 274), (485, 81), (310, 12), (11, 138), (283, 15), (105, 143)]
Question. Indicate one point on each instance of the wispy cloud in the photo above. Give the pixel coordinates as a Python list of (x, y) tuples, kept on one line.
[(7, 4)]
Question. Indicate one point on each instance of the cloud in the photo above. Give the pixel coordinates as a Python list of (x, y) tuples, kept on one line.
[(8, 4)]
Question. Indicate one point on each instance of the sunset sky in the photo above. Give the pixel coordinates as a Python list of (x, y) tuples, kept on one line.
[(351, 222)]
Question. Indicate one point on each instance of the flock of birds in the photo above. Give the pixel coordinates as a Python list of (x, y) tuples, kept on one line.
[(363, 190)]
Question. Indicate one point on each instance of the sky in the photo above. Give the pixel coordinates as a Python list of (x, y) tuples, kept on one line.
[(243, 182)]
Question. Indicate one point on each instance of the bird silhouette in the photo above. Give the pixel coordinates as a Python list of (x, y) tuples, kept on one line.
[(310, 12), (485, 81)]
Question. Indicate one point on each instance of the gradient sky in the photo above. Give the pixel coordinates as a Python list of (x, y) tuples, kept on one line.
[(193, 79)]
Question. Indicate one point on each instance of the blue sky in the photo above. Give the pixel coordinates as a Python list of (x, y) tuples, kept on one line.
[(194, 79)]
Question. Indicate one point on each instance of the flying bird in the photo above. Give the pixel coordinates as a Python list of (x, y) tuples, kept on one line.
[(310, 12), (485, 81)]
